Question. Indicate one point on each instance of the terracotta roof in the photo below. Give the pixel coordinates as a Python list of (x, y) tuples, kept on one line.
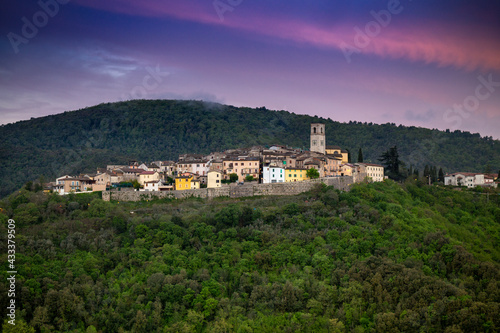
[(334, 157), (249, 159), (132, 170), (148, 172), (466, 174), (153, 182), (372, 164)]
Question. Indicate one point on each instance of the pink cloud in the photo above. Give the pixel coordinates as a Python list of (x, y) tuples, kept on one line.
[(432, 43)]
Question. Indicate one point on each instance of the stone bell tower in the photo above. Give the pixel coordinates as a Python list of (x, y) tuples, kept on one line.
[(318, 143)]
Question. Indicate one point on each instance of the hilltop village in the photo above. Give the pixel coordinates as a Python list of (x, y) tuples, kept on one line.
[(275, 164)]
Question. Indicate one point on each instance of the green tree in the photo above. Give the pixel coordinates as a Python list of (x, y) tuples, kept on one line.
[(29, 186), (312, 173), (19, 327), (487, 168), (441, 175), (249, 178), (136, 184), (427, 171), (434, 174), (233, 177), (391, 161), (360, 156)]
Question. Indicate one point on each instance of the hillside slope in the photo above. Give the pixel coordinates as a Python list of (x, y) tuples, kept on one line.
[(383, 257), (79, 141)]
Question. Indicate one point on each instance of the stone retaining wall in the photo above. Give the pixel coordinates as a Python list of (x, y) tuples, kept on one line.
[(246, 190)]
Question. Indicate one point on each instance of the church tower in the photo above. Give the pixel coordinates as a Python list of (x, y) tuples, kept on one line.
[(318, 142)]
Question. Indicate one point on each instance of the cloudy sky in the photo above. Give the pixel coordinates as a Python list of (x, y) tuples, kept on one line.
[(433, 64)]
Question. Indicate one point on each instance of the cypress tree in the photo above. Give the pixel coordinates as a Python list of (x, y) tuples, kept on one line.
[(360, 156)]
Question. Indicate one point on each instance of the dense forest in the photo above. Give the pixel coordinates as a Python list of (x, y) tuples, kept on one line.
[(384, 257), (80, 141)]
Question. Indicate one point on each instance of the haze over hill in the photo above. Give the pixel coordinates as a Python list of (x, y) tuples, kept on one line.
[(80, 141)]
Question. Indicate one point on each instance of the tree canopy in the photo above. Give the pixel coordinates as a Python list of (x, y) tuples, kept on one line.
[(383, 257), (312, 173)]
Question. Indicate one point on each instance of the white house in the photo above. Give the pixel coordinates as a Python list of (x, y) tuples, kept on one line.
[(464, 179), (373, 171), (197, 167), (153, 185), (273, 174)]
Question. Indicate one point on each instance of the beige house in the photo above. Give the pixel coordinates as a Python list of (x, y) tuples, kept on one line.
[(243, 167), (102, 181), (375, 172), (148, 176), (332, 165), (195, 184), (168, 167), (315, 163), (348, 169), (69, 184), (214, 179)]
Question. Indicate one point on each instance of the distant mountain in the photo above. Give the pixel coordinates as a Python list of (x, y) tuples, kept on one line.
[(80, 141)]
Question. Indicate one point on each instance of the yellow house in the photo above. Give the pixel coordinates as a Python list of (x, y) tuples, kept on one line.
[(195, 184), (347, 169), (337, 152), (186, 183), (295, 174), (183, 182)]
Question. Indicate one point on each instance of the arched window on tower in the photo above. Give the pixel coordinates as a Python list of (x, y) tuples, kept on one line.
[(314, 130), (321, 130)]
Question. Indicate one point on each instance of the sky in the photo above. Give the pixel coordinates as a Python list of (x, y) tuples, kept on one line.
[(433, 64)]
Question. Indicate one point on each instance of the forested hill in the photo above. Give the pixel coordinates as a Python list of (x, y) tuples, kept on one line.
[(80, 141), (383, 257)]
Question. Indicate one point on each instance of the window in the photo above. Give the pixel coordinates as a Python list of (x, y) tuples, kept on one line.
[(314, 130), (315, 142), (217, 181)]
